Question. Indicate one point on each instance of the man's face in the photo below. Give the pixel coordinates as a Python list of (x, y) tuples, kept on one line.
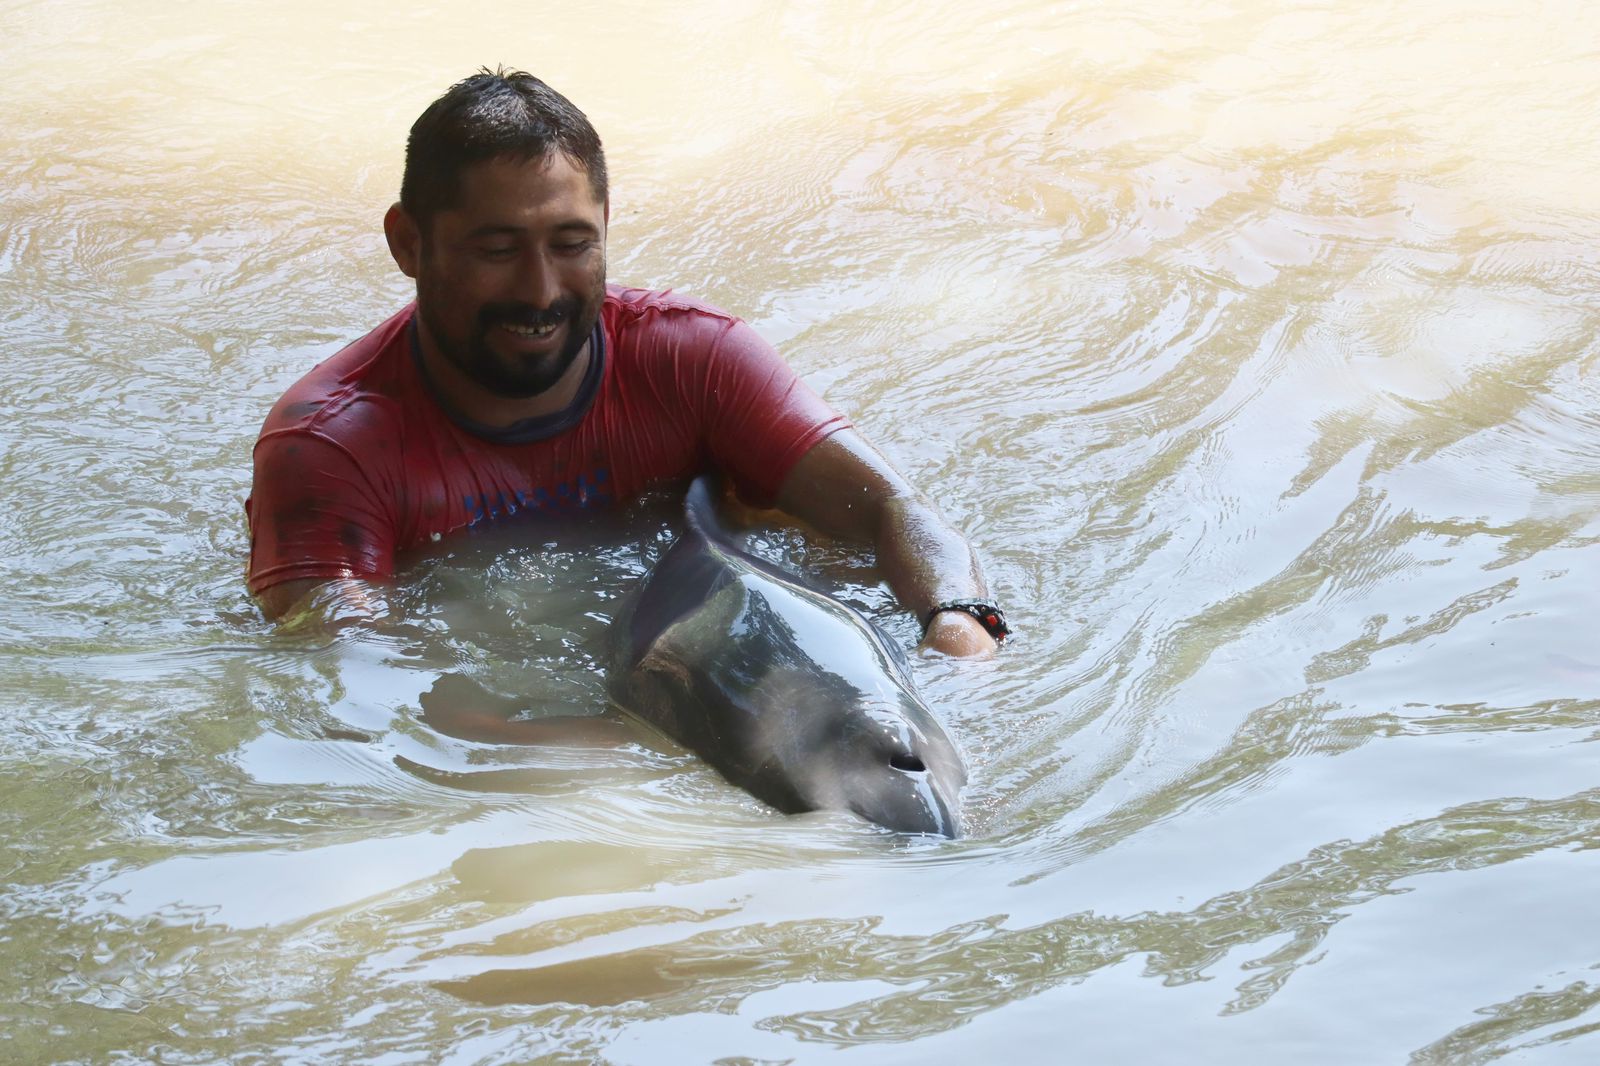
[(510, 282)]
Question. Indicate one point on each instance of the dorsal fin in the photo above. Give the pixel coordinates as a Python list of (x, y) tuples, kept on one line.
[(705, 523), (687, 575), (700, 510)]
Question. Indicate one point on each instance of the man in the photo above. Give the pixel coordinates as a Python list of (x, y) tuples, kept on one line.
[(519, 381)]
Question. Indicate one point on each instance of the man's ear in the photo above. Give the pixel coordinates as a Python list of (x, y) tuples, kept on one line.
[(405, 239)]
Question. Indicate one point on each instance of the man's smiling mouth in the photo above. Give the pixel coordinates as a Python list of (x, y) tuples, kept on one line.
[(530, 331)]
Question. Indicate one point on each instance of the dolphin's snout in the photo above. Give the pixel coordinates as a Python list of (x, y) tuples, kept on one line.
[(909, 794), (921, 814)]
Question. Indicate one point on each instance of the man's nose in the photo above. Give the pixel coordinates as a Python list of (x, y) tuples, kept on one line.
[(538, 282)]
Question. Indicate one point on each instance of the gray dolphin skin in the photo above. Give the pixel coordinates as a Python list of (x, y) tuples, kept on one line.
[(786, 692)]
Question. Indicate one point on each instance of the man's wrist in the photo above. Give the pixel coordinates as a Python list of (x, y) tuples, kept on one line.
[(986, 612)]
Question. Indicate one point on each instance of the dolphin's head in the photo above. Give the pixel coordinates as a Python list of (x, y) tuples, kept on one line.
[(880, 755), (789, 694)]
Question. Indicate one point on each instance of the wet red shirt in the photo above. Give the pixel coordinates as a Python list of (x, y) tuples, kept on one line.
[(358, 461)]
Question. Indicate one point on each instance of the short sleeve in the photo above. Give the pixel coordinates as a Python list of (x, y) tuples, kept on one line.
[(313, 514), (761, 417)]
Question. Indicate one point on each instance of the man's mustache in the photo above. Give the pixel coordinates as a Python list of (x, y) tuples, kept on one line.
[(528, 316)]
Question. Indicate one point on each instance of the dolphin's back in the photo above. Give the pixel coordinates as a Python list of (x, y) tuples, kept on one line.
[(700, 563)]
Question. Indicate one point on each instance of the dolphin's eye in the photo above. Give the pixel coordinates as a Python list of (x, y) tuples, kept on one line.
[(909, 763)]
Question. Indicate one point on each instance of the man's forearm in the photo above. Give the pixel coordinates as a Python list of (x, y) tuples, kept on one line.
[(926, 563), (846, 489)]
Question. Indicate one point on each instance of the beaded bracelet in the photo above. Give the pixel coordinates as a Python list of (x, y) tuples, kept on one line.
[(989, 615)]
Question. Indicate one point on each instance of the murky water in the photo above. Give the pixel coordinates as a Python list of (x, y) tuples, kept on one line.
[(1255, 345)]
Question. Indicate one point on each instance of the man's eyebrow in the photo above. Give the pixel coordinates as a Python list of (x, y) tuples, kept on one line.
[(494, 229), (501, 229)]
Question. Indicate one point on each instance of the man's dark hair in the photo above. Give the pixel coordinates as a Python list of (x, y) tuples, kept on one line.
[(494, 114)]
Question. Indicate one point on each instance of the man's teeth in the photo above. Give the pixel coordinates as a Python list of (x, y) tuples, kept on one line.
[(530, 331)]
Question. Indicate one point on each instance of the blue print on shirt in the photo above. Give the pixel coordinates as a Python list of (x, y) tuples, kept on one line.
[(591, 489)]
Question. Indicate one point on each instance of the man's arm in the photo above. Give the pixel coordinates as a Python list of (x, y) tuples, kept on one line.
[(314, 521), (276, 601), (844, 488)]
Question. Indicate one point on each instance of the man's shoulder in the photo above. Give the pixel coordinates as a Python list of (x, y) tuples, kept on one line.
[(647, 326), (344, 391), (631, 307)]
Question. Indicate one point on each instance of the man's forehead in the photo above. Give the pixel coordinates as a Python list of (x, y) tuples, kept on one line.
[(550, 175), (519, 193)]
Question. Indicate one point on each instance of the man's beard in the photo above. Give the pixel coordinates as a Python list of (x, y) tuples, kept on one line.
[(517, 379)]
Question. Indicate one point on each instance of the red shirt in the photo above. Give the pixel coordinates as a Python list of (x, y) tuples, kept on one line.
[(358, 461)]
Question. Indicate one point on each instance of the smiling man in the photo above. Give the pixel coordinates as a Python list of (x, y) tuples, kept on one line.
[(519, 382)]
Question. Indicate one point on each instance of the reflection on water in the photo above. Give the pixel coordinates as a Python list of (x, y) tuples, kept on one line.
[(1253, 344)]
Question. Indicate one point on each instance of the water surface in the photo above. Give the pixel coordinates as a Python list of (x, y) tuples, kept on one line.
[(1254, 345)]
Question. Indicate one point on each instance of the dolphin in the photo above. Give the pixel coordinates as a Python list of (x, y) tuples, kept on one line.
[(786, 692)]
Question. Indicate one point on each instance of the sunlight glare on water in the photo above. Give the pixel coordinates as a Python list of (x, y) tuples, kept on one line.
[(1253, 345)]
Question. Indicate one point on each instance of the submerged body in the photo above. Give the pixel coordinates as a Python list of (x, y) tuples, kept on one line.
[(786, 692)]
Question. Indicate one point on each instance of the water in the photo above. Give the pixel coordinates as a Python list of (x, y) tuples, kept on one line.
[(1254, 345)]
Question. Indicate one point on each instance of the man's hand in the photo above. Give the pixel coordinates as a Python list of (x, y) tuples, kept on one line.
[(958, 634)]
